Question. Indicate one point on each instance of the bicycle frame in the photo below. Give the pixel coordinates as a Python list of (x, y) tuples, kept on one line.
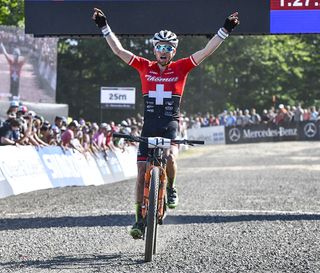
[(155, 160)]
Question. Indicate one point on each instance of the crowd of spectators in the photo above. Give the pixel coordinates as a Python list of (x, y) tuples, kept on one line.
[(280, 115), (23, 127)]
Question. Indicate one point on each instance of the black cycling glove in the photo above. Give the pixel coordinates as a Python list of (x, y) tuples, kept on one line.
[(100, 19), (231, 22)]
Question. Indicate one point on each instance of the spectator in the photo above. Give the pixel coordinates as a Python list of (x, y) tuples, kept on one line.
[(213, 121), (282, 115), (99, 137), (230, 119), (8, 133), (46, 133), (313, 113), (69, 134), (297, 113), (255, 117), (239, 118), (265, 117), (246, 118), (14, 107), (306, 114)]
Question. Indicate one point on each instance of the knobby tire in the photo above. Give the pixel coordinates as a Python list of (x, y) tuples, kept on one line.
[(152, 220)]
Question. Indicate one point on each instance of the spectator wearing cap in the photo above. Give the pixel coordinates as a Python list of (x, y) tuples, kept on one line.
[(264, 117), (22, 110), (8, 133), (282, 115), (14, 107)]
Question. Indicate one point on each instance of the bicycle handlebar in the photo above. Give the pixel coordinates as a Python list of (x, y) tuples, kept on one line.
[(158, 141)]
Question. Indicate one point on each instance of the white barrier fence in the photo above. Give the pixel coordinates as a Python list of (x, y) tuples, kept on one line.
[(25, 169), (210, 135)]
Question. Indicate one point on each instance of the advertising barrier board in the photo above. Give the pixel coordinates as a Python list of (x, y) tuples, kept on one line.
[(308, 130), (25, 168), (210, 135)]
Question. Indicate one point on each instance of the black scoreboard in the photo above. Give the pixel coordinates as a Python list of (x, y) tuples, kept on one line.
[(185, 17)]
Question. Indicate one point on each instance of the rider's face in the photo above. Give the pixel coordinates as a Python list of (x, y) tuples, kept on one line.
[(164, 52)]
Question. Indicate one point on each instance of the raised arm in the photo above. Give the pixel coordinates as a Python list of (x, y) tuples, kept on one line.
[(5, 53), (230, 23), (112, 40)]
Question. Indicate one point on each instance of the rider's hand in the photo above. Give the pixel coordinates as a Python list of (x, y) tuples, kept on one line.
[(231, 22), (99, 18)]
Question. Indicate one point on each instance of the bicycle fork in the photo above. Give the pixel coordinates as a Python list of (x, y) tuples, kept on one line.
[(161, 195)]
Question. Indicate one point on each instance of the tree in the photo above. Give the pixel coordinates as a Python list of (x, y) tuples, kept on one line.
[(12, 12), (244, 72)]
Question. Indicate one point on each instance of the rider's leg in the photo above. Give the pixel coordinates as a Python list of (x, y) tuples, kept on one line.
[(172, 155), (137, 229)]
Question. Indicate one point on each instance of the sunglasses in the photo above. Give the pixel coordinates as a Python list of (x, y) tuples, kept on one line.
[(166, 48)]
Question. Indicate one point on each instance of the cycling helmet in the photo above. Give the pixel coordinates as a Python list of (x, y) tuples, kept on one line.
[(16, 52), (165, 36)]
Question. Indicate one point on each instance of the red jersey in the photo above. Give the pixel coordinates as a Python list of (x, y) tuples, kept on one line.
[(162, 92)]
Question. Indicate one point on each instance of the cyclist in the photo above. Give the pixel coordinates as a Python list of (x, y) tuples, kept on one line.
[(163, 83)]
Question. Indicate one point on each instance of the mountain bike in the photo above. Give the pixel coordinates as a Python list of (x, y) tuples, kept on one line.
[(155, 186)]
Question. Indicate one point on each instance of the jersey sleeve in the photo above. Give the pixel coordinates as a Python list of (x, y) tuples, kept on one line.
[(187, 64), (138, 63)]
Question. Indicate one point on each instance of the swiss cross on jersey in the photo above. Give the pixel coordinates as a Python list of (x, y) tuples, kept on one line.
[(162, 92)]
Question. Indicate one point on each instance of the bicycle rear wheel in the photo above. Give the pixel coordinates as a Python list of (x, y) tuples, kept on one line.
[(152, 220)]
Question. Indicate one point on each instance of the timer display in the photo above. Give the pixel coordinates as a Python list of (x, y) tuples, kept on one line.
[(294, 16), (295, 4)]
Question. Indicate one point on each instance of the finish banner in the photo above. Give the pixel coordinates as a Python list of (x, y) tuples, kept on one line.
[(272, 133)]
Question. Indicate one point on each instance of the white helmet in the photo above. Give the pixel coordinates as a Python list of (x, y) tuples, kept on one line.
[(16, 52), (165, 36)]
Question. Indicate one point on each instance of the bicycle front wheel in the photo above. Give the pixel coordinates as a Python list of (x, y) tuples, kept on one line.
[(152, 214)]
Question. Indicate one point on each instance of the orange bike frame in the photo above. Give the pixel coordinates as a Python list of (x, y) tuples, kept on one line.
[(162, 191)]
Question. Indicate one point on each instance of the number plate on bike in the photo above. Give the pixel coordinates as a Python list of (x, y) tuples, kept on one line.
[(160, 142)]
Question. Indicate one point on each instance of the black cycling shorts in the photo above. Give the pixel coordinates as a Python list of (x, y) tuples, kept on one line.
[(156, 128)]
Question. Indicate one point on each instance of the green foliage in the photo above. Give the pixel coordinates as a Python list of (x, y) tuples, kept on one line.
[(12, 12), (244, 72)]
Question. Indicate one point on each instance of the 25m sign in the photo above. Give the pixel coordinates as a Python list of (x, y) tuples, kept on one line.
[(118, 97)]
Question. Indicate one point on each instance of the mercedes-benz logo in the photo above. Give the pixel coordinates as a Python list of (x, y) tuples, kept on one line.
[(310, 130), (234, 134)]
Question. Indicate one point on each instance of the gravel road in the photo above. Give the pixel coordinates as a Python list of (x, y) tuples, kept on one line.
[(243, 208)]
